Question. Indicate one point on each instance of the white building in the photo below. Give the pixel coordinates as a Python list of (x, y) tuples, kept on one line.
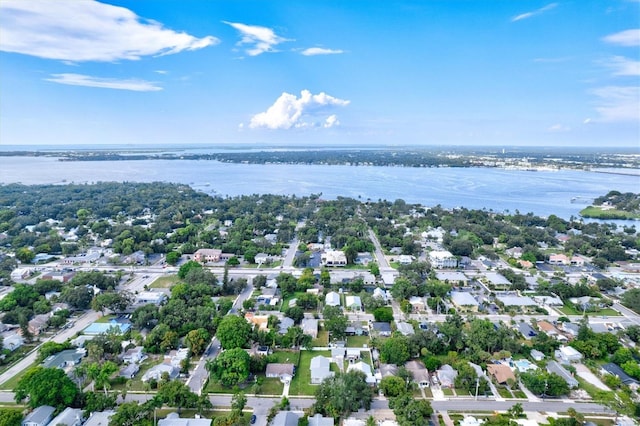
[(333, 258), (442, 259)]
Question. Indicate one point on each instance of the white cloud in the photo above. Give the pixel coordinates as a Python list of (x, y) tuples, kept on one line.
[(86, 30), (312, 51), (559, 128), (628, 38), (105, 83), (261, 39), (533, 13), (618, 103), (306, 111), (622, 66)]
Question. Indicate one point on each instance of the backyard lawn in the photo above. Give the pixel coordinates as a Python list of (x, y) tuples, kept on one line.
[(164, 282), (301, 383), (357, 341), (322, 340)]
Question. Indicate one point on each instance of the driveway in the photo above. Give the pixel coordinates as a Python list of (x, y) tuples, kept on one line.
[(586, 374)]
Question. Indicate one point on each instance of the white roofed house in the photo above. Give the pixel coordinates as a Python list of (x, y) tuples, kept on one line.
[(332, 299), (442, 259), (567, 355), (464, 300), (320, 369), (417, 303), (366, 369), (353, 303), (310, 326), (68, 417), (333, 258), (149, 297)]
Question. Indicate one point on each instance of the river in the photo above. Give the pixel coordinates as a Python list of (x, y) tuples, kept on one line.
[(563, 193)]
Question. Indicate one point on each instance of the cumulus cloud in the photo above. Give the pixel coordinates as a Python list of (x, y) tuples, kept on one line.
[(260, 39), (87, 30), (533, 13), (628, 38), (289, 111), (618, 103), (104, 83), (313, 51)]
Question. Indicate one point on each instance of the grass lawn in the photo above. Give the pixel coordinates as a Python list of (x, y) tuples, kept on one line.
[(301, 383), (428, 393), (322, 340), (106, 318), (570, 310), (520, 394), (285, 301), (504, 392), (357, 341), (270, 386), (13, 382), (285, 357), (164, 282), (447, 391), (597, 212)]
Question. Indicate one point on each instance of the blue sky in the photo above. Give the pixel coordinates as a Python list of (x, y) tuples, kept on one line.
[(510, 72)]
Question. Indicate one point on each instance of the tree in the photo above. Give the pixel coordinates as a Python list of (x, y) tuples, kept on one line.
[(631, 299), (233, 332), (114, 301), (393, 386), (77, 297), (231, 367), (25, 255), (383, 314), (296, 313), (395, 350), (197, 340), (342, 394), (238, 402), (410, 411), (186, 267), (174, 393), (172, 258), (335, 322), (10, 417), (46, 386), (100, 373)]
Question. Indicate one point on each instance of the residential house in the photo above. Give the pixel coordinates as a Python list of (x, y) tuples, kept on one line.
[(616, 370), (158, 370), (68, 417), (332, 299), (417, 303), (405, 259), (99, 418), (509, 300), (310, 327), (501, 372), (548, 328), (497, 280), (548, 300), (285, 324), (405, 328), (559, 259), (260, 320), (41, 416), (453, 277), (174, 419), (536, 355), (319, 420), (333, 258), (363, 259), (419, 373), (515, 252), (382, 328), (12, 341), (261, 258), (129, 371), (567, 355), (380, 293), (526, 330), (64, 359), (447, 376), (38, 324), (555, 367), (320, 369), (388, 370), (133, 355), (207, 255), (366, 369), (284, 372), (285, 418), (442, 259), (464, 300), (353, 303), (20, 274), (571, 329), (355, 329), (80, 341), (62, 276)]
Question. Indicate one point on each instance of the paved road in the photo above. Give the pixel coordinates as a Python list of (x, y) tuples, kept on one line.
[(199, 375), (287, 263), (382, 260)]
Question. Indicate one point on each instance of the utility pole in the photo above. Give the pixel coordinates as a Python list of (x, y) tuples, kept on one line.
[(477, 386)]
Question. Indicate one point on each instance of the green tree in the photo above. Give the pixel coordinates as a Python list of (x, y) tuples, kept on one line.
[(197, 340), (395, 350), (238, 402), (342, 394), (231, 367), (174, 393), (46, 386), (410, 411), (172, 258), (233, 332), (114, 301), (10, 417), (335, 322), (25, 255), (100, 373), (631, 299), (186, 267), (383, 314), (393, 386)]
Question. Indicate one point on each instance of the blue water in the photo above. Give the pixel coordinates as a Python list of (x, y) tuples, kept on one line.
[(542, 193)]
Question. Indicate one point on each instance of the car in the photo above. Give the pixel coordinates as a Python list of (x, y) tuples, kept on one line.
[(253, 419)]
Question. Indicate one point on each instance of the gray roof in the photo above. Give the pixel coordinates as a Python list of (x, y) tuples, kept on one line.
[(173, 419), (319, 420), (99, 418), (463, 298), (69, 417), (382, 327), (285, 418), (285, 324), (64, 357), (516, 300), (616, 370), (555, 367), (527, 331), (40, 415)]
